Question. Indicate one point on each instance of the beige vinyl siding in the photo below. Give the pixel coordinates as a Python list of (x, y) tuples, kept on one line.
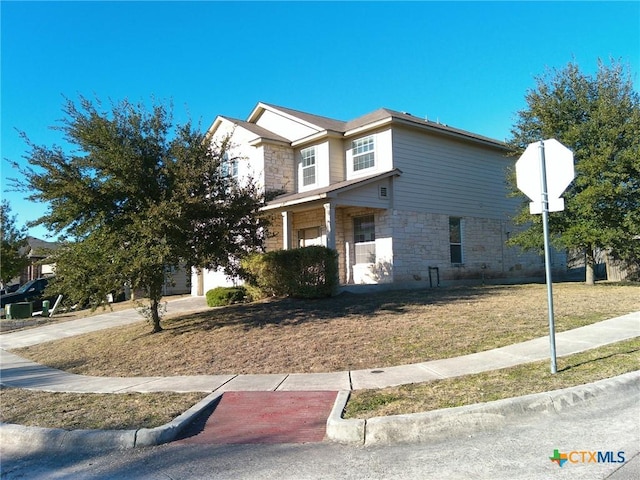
[(382, 151), (368, 196), (449, 177), (336, 161)]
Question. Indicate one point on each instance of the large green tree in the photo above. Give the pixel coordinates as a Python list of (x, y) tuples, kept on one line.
[(136, 196), (598, 117), (14, 242)]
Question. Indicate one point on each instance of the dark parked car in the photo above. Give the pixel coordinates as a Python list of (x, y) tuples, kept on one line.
[(32, 291), (10, 289)]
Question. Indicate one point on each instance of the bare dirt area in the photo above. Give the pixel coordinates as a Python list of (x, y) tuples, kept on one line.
[(350, 331)]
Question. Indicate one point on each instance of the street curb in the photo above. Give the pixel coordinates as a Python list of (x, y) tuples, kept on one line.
[(411, 428), (341, 430), (19, 437), (421, 427)]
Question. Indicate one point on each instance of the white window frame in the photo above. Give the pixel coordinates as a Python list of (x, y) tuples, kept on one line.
[(308, 170), (229, 166), (363, 156), (310, 236), (367, 246), (459, 244)]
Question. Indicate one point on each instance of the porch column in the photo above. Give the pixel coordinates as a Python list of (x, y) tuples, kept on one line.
[(330, 224), (286, 230), (200, 282)]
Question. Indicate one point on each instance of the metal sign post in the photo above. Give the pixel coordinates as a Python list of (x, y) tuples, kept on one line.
[(544, 186), (547, 256)]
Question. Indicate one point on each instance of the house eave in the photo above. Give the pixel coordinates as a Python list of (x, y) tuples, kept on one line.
[(368, 127), (315, 137), (331, 191), (258, 141)]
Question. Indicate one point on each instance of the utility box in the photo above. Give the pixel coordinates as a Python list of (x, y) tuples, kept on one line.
[(45, 308), (19, 310)]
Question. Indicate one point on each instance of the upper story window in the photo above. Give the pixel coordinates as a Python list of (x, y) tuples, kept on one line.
[(308, 166), (363, 153), (229, 166)]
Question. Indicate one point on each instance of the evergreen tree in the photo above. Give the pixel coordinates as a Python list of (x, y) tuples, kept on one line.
[(14, 243), (598, 117), (137, 196)]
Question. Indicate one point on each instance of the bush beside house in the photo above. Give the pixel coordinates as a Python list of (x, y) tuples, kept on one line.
[(308, 272), (221, 296)]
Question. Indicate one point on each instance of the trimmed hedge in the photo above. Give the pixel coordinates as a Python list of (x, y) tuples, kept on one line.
[(308, 272), (221, 296)]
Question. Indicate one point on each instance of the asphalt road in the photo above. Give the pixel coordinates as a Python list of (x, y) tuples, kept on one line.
[(519, 450)]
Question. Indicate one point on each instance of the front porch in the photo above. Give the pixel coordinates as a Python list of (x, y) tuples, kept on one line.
[(360, 235), (353, 217)]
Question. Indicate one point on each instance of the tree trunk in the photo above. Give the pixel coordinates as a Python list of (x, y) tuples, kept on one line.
[(155, 316), (589, 263)]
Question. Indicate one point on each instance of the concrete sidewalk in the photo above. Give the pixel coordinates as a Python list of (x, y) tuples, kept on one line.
[(21, 373), (18, 372)]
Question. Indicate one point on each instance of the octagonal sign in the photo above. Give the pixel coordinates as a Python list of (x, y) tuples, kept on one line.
[(559, 172)]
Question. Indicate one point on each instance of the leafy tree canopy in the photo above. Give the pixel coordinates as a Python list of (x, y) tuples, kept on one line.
[(14, 243), (136, 196), (598, 117)]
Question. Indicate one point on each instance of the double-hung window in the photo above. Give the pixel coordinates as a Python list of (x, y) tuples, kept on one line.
[(455, 239), (364, 239), (308, 166), (363, 153), (229, 166)]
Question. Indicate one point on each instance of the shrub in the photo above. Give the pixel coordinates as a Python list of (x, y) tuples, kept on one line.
[(309, 272), (221, 296)]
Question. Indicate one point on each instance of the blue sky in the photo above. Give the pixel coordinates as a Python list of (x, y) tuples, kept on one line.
[(467, 64)]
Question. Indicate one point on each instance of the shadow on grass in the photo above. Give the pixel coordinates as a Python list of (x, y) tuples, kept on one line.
[(291, 311), (599, 358)]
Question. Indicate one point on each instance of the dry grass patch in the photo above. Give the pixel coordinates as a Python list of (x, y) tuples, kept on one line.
[(66, 316), (119, 411), (346, 332), (604, 362)]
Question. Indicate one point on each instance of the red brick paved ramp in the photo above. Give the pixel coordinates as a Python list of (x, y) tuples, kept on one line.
[(265, 417)]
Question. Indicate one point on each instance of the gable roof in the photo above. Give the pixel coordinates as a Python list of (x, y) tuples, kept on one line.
[(37, 248), (329, 191), (317, 121), (261, 132), (382, 116), (329, 126), (385, 115)]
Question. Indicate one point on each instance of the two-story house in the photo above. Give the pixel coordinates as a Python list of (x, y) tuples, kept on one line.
[(399, 197)]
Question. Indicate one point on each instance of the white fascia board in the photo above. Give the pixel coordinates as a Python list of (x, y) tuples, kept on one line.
[(316, 136), (256, 142), (368, 126), (447, 131), (216, 123), (261, 107), (297, 201), (255, 113)]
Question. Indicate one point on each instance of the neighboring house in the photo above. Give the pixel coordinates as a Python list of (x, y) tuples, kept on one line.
[(176, 282), (37, 251), (398, 197)]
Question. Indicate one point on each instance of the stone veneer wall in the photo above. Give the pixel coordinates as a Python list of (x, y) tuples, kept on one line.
[(274, 233), (279, 168), (421, 240)]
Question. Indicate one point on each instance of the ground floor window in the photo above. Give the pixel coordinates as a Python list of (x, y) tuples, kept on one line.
[(455, 239), (364, 239), (309, 236)]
